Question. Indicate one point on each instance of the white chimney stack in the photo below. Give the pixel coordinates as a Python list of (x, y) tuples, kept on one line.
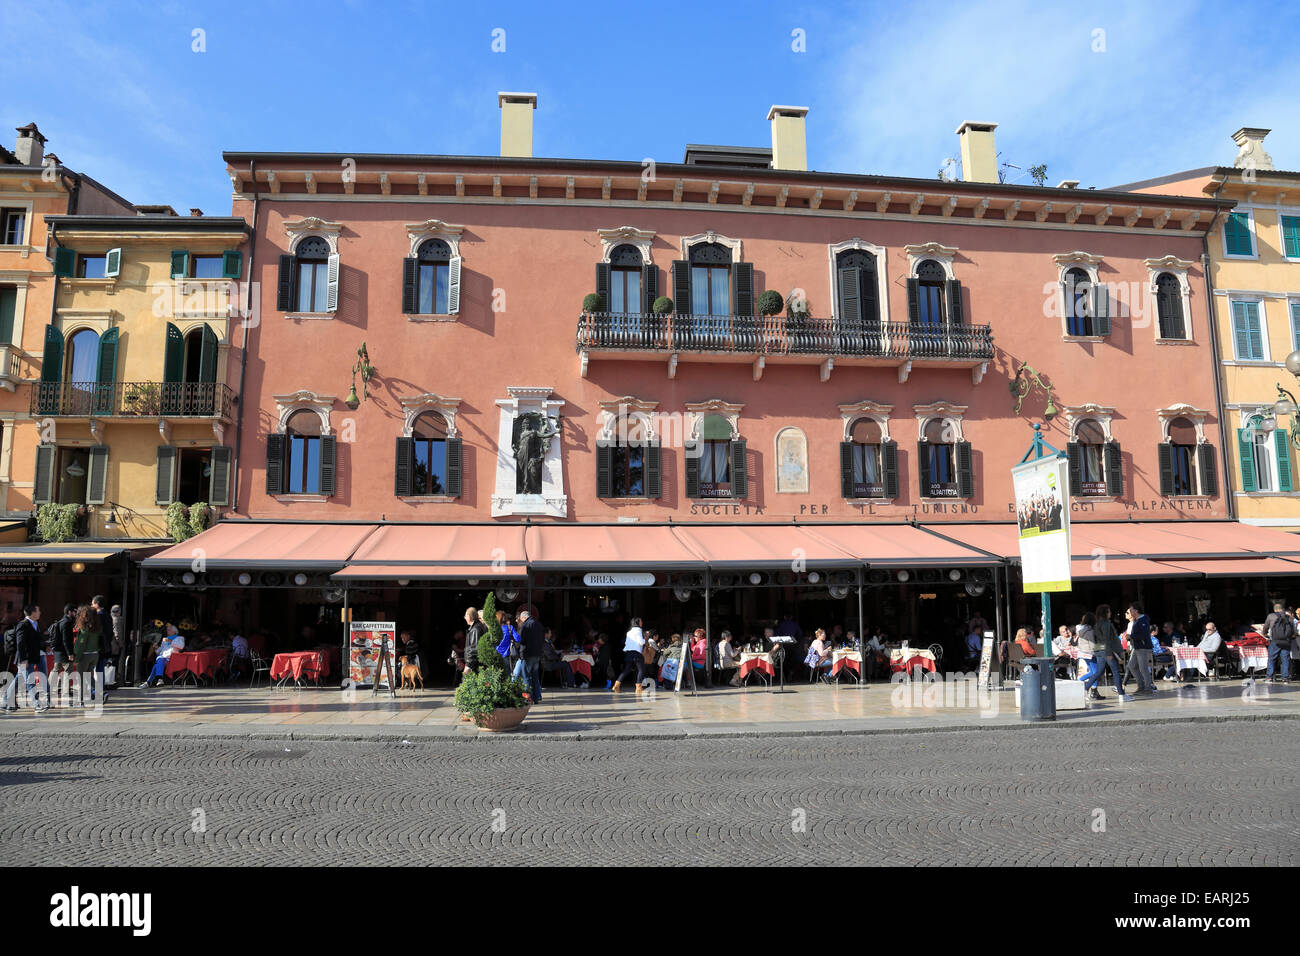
[(517, 123), (979, 152), (789, 140)]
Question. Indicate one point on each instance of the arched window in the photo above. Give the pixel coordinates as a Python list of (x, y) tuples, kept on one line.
[(857, 287), (429, 458), (625, 275), (312, 273), (715, 461), (930, 278), (1091, 440), (1169, 307), (710, 279), (1078, 303), (304, 458), (433, 277), (1182, 445), (82, 371), (866, 464)]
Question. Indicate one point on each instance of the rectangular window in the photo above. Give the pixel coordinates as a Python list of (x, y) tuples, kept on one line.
[(1291, 237), (1262, 443), (1247, 333), (72, 476), (943, 473), (429, 475), (1236, 235), (710, 290), (866, 471), (13, 226), (313, 286), (1183, 458), (625, 290), (715, 469), (432, 288), (206, 267), (91, 267), (304, 465), (193, 474), (931, 303), (627, 464), (8, 309), (1094, 472)]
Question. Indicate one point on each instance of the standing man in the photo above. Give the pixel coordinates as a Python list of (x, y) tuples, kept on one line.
[(1139, 646), (1280, 631), (473, 631), (65, 656), (633, 659), (532, 640), (31, 659)]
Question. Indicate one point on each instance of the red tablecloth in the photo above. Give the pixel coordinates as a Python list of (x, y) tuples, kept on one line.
[(300, 665), (925, 661), (580, 664), (850, 659), (1189, 658), (1252, 656), (756, 662), (198, 663), (332, 656), (1250, 640)]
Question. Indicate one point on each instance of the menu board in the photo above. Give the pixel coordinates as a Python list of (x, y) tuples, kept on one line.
[(363, 650)]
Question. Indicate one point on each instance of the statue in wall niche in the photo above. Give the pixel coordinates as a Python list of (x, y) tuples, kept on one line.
[(533, 434)]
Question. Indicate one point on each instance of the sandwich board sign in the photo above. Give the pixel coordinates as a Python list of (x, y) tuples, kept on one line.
[(366, 640)]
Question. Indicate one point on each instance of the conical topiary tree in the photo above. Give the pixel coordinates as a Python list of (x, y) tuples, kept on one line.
[(487, 644)]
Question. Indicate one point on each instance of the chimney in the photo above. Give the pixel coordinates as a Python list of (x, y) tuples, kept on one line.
[(517, 123), (196, 213), (979, 152), (789, 143), (31, 145), (1250, 139)]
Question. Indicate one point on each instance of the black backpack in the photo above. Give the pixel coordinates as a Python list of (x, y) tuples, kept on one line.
[(1282, 629)]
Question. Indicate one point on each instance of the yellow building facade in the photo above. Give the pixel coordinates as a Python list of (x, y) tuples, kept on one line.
[(130, 408), (1254, 268)]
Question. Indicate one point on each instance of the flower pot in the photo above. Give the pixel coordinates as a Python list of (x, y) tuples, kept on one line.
[(503, 719)]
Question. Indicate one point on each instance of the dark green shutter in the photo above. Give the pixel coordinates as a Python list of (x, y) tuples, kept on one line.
[(8, 305), (1114, 469), (173, 355), (602, 289), (46, 455), (739, 472), (1076, 467), (454, 467), (850, 283), (1165, 458), (167, 475), (1209, 473), (1245, 449), (846, 460), (889, 468), (403, 466), (410, 285), (604, 471), (1237, 232), (232, 264), (681, 287), (180, 263), (743, 283), (107, 373), (965, 470), (1282, 442), (328, 464), (285, 284), (219, 486), (1291, 237), (52, 361), (1101, 309), (649, 287), (691, 456), (653, 470), (914, 301), (954, 302), (97, 482), (870, 297), (65, 262), (923, 467), (208, 355), (275, 455)]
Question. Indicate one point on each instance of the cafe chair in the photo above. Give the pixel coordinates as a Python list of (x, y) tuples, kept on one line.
[(260, 666)]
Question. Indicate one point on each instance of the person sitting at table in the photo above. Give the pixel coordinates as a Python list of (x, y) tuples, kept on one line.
[(553, 661), (1161, 655), (974, 645), (1211, 641), (240, 660), (819, 652), (699, 651), (875, 656), (727, 660), (171, 642)]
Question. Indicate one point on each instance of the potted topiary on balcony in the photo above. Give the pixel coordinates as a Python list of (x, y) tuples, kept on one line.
[(662, 306), (593, 302), (490, 697), (770, 303)]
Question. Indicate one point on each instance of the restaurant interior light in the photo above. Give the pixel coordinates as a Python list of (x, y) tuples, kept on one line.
[(813, 577), (77, 567), (300, 579), (472, 582), (188, 577), (755, 578), (403, 582), (954, 575), (904, 576), (245, 579)]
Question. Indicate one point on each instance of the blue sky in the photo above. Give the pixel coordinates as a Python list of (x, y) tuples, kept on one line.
[(122, 95)]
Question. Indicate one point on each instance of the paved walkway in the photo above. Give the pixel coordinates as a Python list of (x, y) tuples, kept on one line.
[(802, 710)]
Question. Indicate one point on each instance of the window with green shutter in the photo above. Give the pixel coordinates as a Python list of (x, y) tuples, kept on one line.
[(8, 306), (1291, 237), (1236, 235), (1247, 334)]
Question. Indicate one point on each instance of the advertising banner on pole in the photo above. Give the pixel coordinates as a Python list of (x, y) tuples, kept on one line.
[(1043, 515)]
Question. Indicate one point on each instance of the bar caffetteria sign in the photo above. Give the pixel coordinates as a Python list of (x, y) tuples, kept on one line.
[(618, 579)]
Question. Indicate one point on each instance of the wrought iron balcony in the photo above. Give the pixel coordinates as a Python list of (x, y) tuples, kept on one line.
[(778, 335), (133, 399)]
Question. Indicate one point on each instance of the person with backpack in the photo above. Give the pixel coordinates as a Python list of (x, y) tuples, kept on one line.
[(1280, 631)]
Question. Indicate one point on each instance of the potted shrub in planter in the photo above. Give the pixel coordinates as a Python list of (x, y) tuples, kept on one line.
[(593, 302), (769, 303), (663, 306)]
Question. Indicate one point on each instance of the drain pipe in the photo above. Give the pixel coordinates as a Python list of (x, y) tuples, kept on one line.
[(243, 352), (1224, 455)]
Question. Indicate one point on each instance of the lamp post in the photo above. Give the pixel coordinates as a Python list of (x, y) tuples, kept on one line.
[(1286, 404)]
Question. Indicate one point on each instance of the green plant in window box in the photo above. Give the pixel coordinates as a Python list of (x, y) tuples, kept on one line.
[(178, 522), (200, 517), (593, 302), (56, 522), (663, 305), (141, 398)]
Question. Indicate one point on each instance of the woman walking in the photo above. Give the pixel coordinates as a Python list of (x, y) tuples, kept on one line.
[(1112, 650), (1093, 652), (87, 642)]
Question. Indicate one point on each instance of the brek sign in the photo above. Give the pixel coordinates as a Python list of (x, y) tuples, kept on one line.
[(616, 579)]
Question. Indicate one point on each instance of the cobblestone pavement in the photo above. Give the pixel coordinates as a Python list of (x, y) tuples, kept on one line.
[(1178, 794)]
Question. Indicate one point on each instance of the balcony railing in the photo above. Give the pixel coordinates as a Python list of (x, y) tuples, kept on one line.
[(781, 335), (133, 399)]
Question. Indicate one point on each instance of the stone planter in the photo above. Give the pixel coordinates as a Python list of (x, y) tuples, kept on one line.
[(503, 719)]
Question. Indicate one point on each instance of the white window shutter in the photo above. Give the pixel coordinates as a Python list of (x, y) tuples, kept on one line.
[(332, 295), (113, 264), (453, 285)]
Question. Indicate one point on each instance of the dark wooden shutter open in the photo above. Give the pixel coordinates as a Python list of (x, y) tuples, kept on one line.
[(219, 485), (649, 287), (173, 355), (1114, 469), (285, 284), (97, 477), (44, 484), (455, 467), (914, 301), (166, 478), (653, 470), (1209, 471), (1101, 309), (65, 262), (275, 447), (691, 458), (739, 469), (1076, 467), (870, 296), (1282, 445), (106, 373), (52, 360), (208, 356), (403, 465), (232, 264), (602, 289), (953, 293), (681, 287), (328, 464), (604, 471), (410, 282), (743, 283), (965, 470), (846, 461), (889, 468), (850, 283), (1165, 458), (180, 264), (923, 467)]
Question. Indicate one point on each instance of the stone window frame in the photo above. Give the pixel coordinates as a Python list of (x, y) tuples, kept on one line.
[(309, 227), (641, 239), (416, 405), (736, 246), (876, 412), (1197, 417), (1249, 213), (776, 459), (1090, 263), (24, 248), (1178, 268), (881, 254), (303, 400), (920, 252)]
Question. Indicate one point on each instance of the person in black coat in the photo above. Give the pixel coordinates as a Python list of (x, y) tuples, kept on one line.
[(31, 658), (532, 640)]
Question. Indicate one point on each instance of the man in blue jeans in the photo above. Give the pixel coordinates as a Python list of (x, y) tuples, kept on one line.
[(532, 638), (1280, 631)]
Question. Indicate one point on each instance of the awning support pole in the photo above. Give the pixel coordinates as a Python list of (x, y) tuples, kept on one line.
[(999, 626), (346, 666), (862, 633), (708, 631)]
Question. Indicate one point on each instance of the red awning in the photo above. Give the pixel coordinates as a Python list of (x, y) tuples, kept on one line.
[(239, 544), (440, 551), (898, 545), (1236, 567), (1153, 540), (604, 547), (426, 572), (1125, 568), (762, 546)]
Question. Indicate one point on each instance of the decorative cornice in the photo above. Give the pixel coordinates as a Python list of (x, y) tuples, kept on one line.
[(304, 398), (940, 409), (1196, 415), (866, 409), (1075, 414), (930, 250), (299, 229), (735, 245), (1170, 263), (610, 239), (417, 405), (714, 406), (1077, 258), (627, 407), (434, 229)]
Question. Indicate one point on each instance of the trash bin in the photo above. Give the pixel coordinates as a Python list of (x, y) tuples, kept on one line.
[(1037, 689)]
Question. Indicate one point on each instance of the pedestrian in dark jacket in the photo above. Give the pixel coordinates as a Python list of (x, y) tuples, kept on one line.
[(32, 661), (1108, 638), (473, 631), (1139, 647), (1280, 631), (532, 640), (64, 653)]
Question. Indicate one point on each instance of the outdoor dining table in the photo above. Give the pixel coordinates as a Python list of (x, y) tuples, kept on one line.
[(580, 664), (847, 658), (1251, 655), (1190, 657), (298, 665), (331, 657), (751, 661), (904, 659), (201, 665)]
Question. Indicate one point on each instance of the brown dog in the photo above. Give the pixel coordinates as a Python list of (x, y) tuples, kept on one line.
[(410, 674)]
